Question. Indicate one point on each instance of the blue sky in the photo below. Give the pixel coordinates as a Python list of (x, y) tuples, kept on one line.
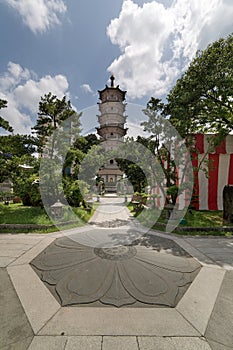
[(70, 47)]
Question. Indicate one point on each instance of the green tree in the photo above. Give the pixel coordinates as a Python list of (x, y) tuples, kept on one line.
[(58, 125), (201, 100), (26, 186), (52, 113), (18, 145), (74, 189), (160, 143), (171, 151), (4, 123), (84, 143), (15, 151), (134, 174), (25, 179)]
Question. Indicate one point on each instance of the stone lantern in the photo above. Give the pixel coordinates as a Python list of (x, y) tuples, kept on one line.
[(57, 209)]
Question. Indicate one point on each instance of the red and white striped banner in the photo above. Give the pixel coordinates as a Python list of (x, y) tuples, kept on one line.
[(219, 168)]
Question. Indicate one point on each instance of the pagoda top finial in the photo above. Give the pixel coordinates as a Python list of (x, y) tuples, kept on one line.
[(112, 78)]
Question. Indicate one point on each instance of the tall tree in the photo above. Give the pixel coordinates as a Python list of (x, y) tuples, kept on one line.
[(15, 150), (52, 113), (171, 152), (4, 123), (202, 99), (160, 142), (57, 127), (200, 102)]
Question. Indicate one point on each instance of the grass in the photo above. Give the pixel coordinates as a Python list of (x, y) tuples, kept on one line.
[(192, 218), (19, 214), (200, 218), (203, 218)]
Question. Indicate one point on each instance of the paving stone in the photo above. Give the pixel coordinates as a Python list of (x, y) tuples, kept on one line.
[(5, 261), (219, 250), (109, 211), (23, 344), (190, 344), (123, 343), (50, 343), (21, 236), (198, 302), (208, 242), (221, 322), (11, 253), (118, 321), (36, 299), (14, 323), (33, 251), (193, 251), (84, 343), (155, 343), (19, 247), (216, 346), (18, 239)]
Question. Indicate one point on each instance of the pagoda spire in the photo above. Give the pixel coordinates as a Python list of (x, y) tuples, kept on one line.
[(112, 78)]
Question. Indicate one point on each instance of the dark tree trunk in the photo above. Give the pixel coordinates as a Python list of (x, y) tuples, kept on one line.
[(228, 204)]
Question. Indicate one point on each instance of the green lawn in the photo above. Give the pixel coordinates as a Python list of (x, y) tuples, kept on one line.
[(19, 214), (203, 218), (193, 218)]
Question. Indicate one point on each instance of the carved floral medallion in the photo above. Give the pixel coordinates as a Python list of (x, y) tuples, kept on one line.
[(119, 276)]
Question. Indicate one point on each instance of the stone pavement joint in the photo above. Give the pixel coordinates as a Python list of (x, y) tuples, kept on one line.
[(222, 315), (198, 302), (37, 301), (15, 329)]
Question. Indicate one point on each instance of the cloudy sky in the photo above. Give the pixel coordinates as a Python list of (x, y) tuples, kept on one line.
[(70, 47)]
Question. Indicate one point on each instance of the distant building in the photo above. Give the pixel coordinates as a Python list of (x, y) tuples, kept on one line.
[(112, 130)]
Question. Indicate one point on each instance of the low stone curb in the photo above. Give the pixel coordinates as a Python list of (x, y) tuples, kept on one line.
[(33, 226), (206, 229), (197, 229)]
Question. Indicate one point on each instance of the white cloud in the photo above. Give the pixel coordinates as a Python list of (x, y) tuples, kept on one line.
[(23, 90), (158, 42), (87, 88), (27, 94), (39, 15)]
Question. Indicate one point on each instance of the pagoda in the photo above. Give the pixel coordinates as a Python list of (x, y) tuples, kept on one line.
[(112, 130)]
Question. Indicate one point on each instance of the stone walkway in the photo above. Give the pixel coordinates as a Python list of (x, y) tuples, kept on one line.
[(31, 318)]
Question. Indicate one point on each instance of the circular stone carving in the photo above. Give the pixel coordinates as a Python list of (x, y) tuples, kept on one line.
[(116, 253)]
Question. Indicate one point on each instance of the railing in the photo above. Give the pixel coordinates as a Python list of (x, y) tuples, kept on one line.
[(119, 125)]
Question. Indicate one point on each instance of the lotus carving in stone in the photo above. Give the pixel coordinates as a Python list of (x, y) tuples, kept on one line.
[(119, 276)]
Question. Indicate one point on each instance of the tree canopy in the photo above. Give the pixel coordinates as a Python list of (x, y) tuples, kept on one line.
[(52, 112), (202, 99), (200, 102), (4, 123)]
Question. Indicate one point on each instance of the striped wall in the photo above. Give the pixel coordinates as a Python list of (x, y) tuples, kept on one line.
[(209, 189)]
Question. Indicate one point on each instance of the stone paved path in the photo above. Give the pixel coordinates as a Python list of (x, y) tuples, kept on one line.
[(111, 212), (32, 319)]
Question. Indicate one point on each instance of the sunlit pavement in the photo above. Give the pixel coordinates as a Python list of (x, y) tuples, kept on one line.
[(32, 318)]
